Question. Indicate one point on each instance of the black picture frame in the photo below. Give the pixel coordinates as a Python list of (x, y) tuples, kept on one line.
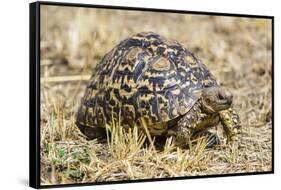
[(34, 91)]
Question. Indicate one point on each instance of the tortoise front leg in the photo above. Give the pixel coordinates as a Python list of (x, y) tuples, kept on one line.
[(181, 133), (184, 127), (191, 126), (231, 123)]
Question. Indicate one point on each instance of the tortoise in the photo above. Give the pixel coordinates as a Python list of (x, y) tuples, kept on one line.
[(148, 79)]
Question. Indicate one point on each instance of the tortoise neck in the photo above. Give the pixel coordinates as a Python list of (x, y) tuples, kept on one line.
[(205, 107)]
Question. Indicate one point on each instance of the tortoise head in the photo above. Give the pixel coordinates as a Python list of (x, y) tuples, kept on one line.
[(215, 99)]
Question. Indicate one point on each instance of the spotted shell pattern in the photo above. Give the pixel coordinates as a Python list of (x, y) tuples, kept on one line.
[(145, 76)]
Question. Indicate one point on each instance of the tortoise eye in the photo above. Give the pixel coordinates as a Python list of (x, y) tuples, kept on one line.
[(220, 96), (207, 99)]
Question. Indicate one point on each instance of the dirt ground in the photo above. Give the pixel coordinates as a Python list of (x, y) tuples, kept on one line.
[(236, 50)]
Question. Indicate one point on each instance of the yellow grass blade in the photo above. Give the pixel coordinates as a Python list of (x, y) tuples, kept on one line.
[(71, 78)]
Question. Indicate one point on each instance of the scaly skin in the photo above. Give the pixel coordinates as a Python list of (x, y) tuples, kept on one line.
[(193, 122), (196, 122), (230, 122)]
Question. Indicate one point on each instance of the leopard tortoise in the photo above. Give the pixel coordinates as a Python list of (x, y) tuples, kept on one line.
[(147, 78)]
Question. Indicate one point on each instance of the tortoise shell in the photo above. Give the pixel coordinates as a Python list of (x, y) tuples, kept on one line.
[(144, 76)]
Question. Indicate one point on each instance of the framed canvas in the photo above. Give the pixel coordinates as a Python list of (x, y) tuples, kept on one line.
[(122, 94)]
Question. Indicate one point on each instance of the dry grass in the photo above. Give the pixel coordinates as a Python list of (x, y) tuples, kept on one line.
[(236, 50)]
